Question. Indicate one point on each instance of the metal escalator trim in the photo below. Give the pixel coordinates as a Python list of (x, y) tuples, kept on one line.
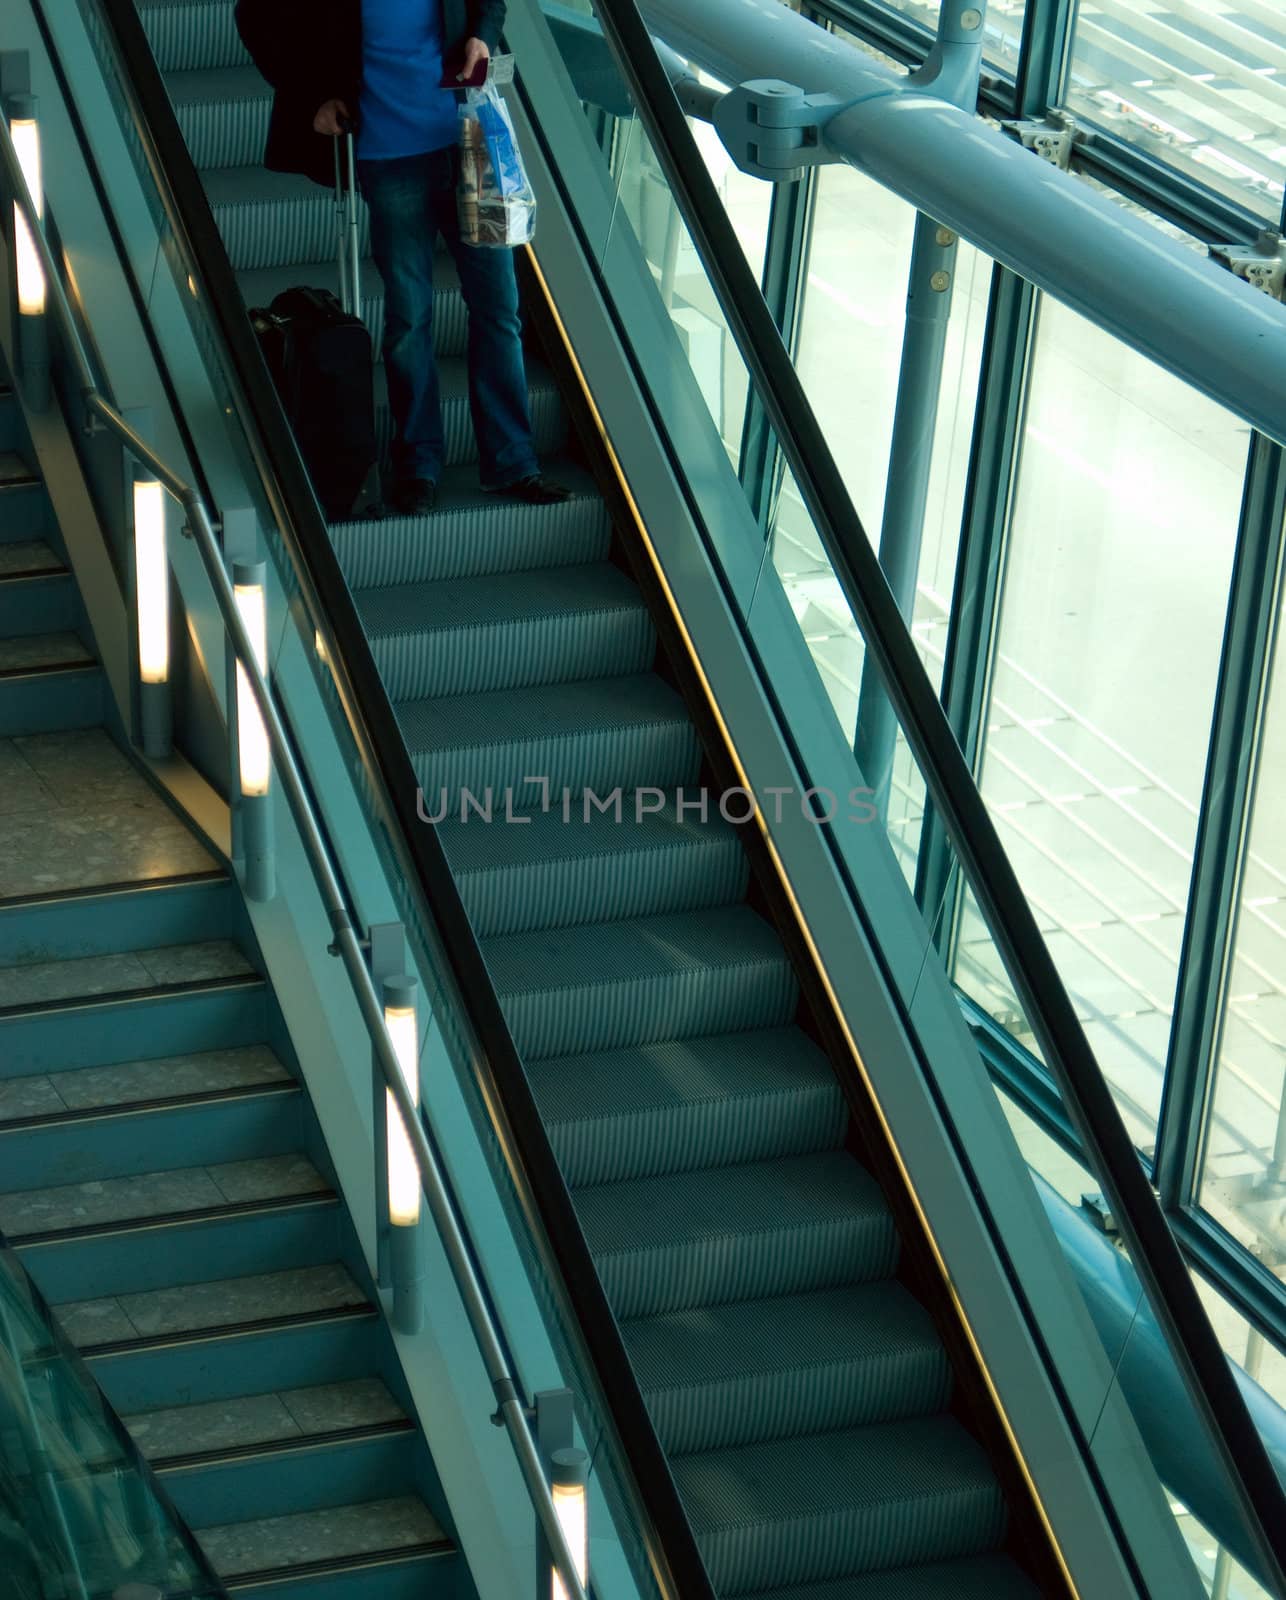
[(805, 932)]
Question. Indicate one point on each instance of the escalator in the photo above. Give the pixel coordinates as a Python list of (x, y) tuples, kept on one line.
[(782, 1326), (783, 1346)]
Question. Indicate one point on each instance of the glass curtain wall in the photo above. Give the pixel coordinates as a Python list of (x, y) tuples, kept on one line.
[(1200, 85), (1116, 584)]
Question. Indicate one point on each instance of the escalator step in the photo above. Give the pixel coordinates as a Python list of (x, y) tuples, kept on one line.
[(628, 731), (974, 1578), (832, 1504), (472, 533), (187, 34), (763, 1369), (739, 1233), (270, 219), (223, 112), (720, 1100), (604, 986), (507, 631)]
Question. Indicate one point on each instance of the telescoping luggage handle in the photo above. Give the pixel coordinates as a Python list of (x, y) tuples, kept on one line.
[(348, 244)]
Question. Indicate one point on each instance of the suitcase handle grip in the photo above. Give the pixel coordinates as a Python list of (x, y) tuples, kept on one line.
[(347, 230)]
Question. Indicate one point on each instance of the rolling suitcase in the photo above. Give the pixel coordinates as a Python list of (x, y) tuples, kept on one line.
[(319, 353)]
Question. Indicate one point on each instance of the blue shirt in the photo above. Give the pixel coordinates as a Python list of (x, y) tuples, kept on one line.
[(404, 110)]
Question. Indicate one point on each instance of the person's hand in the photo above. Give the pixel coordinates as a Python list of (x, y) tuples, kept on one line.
[(330, 118), (476, 51)]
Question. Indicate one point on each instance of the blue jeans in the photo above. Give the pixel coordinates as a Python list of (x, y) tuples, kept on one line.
[(411, 200)]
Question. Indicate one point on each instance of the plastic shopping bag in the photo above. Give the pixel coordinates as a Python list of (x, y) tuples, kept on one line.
[(496, 203)]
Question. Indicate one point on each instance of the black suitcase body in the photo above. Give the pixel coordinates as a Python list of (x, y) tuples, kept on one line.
[(319, 354), (321, 362)]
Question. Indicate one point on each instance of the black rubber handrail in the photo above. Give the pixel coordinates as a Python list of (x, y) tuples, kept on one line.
[(951, 787), (666, 1537)]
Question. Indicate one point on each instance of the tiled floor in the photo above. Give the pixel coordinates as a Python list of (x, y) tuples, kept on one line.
[(40, 982), (190, 1307), (75, 813)]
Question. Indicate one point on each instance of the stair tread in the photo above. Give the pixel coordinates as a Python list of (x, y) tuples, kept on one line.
[(193, 1308), (562, 710), (139, 1082), (275, 1418), (496, 600), (793, 1195), (41, 982), (852, 1468), (27, 557), (308, 1537), (763, 1064), (633, 951), (37, 652), (753, 1338), (14, 470), (177, 1191), (970, 1578)]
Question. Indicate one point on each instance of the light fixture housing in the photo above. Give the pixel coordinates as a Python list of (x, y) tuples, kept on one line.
[(152, 580), (25, 133), (402, 1024), (254, 752), (568, 1487)]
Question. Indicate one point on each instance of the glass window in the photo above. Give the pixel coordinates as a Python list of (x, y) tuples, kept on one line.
[(1116, 585), (1003, 29), (1244, 1167), (1200, 84)]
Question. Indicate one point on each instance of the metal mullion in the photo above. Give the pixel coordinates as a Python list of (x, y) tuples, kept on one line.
[(1225, 817), (1043, 55), (790, 222), (973, 630)]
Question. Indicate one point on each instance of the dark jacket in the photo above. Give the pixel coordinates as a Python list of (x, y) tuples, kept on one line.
[(313, 54)]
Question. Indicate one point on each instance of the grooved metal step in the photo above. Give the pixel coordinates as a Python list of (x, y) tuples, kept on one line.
[(187, 34), (506, 631), (605, 986), (737, 1233), (472, 533), (841, 1502), (974, 1578), (538, 871), (223, 112), (699, 1103), (628, 732), (758, 1370)]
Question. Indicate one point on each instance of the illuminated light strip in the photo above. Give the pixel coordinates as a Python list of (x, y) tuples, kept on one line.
[(806, 933)]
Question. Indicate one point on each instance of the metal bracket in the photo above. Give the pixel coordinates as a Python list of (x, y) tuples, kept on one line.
[(1262, 264), (1052, 139), (774, 130), (1099, 1213)]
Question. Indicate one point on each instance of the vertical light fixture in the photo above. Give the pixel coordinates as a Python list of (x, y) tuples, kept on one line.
[(152, 605), (254, 754), (569, 1489), (33, 337), (402, 1025)]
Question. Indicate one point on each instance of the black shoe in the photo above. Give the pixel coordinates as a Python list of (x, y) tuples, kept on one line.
[(537, 490), (413, 497)]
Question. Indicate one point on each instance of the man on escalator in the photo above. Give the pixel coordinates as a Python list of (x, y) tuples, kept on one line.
[(379, 66)]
